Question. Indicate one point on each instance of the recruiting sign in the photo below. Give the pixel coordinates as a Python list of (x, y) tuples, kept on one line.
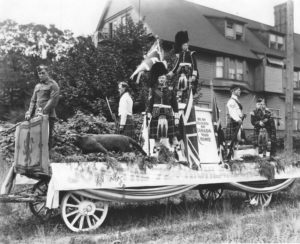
[(207, 145)]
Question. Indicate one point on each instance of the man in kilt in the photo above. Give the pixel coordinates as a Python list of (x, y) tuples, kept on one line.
[(236, 115), (162, 104), (261, 117), (185, 66), (126, 124)]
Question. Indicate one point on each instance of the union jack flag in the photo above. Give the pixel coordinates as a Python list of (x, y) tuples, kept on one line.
[(190, 133), (155, 54)]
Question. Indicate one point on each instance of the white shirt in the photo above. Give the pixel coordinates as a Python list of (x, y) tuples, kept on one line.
[(125, 107), (233, 108)]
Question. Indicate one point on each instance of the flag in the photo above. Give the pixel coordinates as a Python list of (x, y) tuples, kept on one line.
[(216, 114), (190, 135), (219, 133), (155, 54)]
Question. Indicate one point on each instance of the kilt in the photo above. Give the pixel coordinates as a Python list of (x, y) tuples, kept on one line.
[(231, 129), (171, 130), (129, 127), (271, 130), (162, 116)]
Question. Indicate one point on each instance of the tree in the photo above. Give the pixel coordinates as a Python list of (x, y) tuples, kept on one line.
[(22, 48), (88, 74)]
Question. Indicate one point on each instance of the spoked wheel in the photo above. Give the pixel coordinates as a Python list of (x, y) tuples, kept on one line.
[(260, 199), (39, 208), (81, 213), (211, 194)]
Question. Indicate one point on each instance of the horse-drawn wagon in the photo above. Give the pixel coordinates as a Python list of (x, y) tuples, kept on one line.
[(82, 191)]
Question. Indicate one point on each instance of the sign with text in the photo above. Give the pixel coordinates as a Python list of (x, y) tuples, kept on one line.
[(207, 145)]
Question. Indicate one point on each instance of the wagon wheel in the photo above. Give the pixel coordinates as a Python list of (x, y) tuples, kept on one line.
[(260, 199), (81, 213), (38, 208), (211, 194)]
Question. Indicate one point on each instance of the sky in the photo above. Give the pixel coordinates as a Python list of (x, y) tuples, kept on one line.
[(82, 16)]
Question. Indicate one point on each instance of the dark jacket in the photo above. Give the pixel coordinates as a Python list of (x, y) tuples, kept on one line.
[(258, 115), (186, 57), (165, 96)]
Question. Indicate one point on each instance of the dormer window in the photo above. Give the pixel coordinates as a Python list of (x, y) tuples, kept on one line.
[(239, 32), (229, 31), (297, 80), (234, 30), (276, 42)]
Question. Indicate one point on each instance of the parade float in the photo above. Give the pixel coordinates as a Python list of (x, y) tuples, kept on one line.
[(82, 191)]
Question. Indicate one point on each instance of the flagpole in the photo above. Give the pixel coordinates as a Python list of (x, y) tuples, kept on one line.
[(212, 96)]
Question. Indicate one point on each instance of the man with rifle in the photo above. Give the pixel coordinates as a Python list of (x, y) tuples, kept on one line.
[(126, 124), (236, 117)]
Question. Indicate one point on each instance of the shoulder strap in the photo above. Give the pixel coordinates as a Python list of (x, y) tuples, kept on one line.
[(238, 103)]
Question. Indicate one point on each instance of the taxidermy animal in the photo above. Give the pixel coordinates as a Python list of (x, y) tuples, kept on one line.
[(92, 143)]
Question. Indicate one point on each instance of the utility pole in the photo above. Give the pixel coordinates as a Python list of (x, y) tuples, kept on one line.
[(289, 78), (139, 10)]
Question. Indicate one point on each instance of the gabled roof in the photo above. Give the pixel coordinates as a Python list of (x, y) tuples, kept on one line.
[(166, 17)]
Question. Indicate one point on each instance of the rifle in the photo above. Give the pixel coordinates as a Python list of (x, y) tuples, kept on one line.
[(10, 130), (113, 116)]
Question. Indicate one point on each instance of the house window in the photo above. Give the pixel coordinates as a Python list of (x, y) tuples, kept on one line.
[(280, 42), (115, 25), (239, 32), (123, 20), (234, 31), (104, 33), (232, 69), (298, 121), (275, 114), (112, 26), (229, 32), (276, 42), (239, 70), (219, 67), (297, 80)]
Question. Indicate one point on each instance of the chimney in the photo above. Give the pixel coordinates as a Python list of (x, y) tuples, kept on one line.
[(280, 14)]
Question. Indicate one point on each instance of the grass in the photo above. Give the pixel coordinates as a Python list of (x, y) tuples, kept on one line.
[(181, 219)]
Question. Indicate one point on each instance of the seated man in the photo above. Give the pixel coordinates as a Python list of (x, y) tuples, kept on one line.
[(162, 104), (261, 118)]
